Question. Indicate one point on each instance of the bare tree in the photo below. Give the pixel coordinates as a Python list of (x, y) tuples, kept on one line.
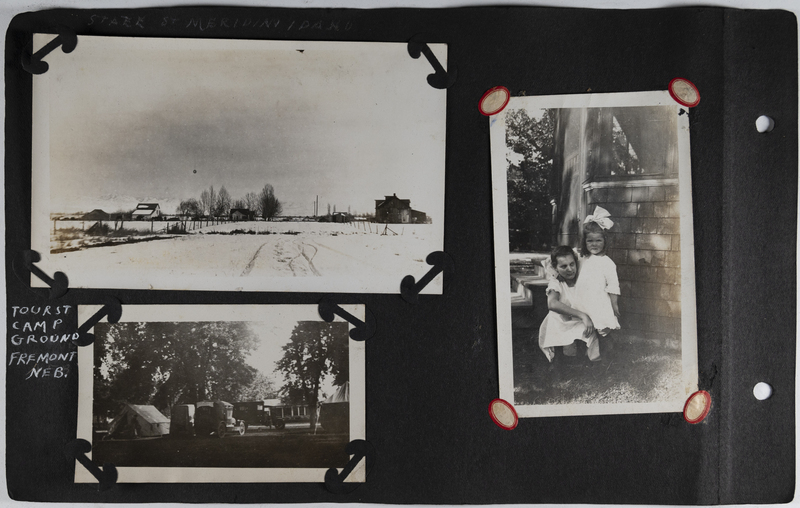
[(222, 206), (269, 205), (190, 207), (251, 202), (207, 199)]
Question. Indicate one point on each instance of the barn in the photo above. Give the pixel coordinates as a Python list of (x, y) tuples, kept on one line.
[(146, 211), (97, 214)]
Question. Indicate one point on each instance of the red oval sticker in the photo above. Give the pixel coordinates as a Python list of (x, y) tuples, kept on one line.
[(503, 414), (684, 92), (494, 100), (697, 407)]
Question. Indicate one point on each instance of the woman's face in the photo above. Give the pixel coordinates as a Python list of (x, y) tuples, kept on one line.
[(566, 267), (595, 243)]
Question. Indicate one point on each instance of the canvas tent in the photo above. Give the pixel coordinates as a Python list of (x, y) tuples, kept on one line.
[(138, 421), (334, 412)]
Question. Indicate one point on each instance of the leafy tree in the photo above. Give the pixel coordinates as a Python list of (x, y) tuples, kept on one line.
[(260, 388), (315, 349), (269, 205), (165, 363), (531, 148)]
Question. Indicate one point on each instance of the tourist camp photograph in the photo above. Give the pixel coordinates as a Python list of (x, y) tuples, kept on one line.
[(245, 388)]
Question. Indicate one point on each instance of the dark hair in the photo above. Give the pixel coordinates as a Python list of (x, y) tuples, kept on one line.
[(593, 227), (561, 251)]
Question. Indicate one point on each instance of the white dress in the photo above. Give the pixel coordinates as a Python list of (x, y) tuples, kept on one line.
[(558, 329), (597, 277)]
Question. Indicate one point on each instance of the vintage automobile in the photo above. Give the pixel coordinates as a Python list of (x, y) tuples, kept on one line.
[(216, 418), (182, 420), (257, 413)]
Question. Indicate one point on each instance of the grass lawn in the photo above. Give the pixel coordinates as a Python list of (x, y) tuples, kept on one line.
[(258, 449), (632, 372)]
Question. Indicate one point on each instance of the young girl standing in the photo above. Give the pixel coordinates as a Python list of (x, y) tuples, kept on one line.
[(598, 285), (565, 323)]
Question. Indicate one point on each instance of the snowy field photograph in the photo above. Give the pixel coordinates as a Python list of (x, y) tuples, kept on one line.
[(237, 165), (215, 393)]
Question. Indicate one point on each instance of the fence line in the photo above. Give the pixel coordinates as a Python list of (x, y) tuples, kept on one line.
[(153, 226)]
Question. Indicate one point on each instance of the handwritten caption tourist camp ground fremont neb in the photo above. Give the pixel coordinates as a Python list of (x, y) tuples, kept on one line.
[(41, 344)]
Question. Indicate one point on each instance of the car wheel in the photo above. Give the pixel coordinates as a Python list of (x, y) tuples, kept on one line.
[(221, 429)]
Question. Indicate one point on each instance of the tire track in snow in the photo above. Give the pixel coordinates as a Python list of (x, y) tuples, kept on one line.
[(252, 262), (303, 260), (309, 259)]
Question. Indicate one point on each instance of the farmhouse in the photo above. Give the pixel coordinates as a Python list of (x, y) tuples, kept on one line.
[(239, 214), (146, 211), (394, 210)]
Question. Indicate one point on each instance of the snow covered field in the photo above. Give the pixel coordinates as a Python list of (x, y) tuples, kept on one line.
[(274, 256)]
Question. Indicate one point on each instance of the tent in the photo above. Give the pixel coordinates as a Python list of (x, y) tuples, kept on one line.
[(334, 412), (138, 421)]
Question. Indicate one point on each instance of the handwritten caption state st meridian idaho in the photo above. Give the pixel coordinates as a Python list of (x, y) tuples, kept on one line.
[(202, 24), (36, 328)]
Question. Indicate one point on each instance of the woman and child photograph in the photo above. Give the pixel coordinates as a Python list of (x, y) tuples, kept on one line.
[(582, 296), (608, 327)]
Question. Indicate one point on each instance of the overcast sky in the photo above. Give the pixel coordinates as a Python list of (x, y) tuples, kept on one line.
[(163, 119), (273, 336)]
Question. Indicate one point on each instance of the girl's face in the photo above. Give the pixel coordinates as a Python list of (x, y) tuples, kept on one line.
[(595, 243), (566, 267)]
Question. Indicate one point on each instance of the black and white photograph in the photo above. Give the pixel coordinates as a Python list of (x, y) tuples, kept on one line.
[(594, 254), (198, 393), (239, 165)]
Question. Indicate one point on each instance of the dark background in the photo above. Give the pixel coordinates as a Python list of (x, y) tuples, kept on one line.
[(432, 367)]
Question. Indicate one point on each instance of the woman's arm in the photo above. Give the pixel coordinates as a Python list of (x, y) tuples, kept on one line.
[(554, 303)]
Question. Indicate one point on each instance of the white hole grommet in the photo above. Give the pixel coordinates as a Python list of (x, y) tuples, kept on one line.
[(764, 123), (762, 391)]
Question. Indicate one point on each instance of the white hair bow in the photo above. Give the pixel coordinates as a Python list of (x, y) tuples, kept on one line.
[(601, 217)]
